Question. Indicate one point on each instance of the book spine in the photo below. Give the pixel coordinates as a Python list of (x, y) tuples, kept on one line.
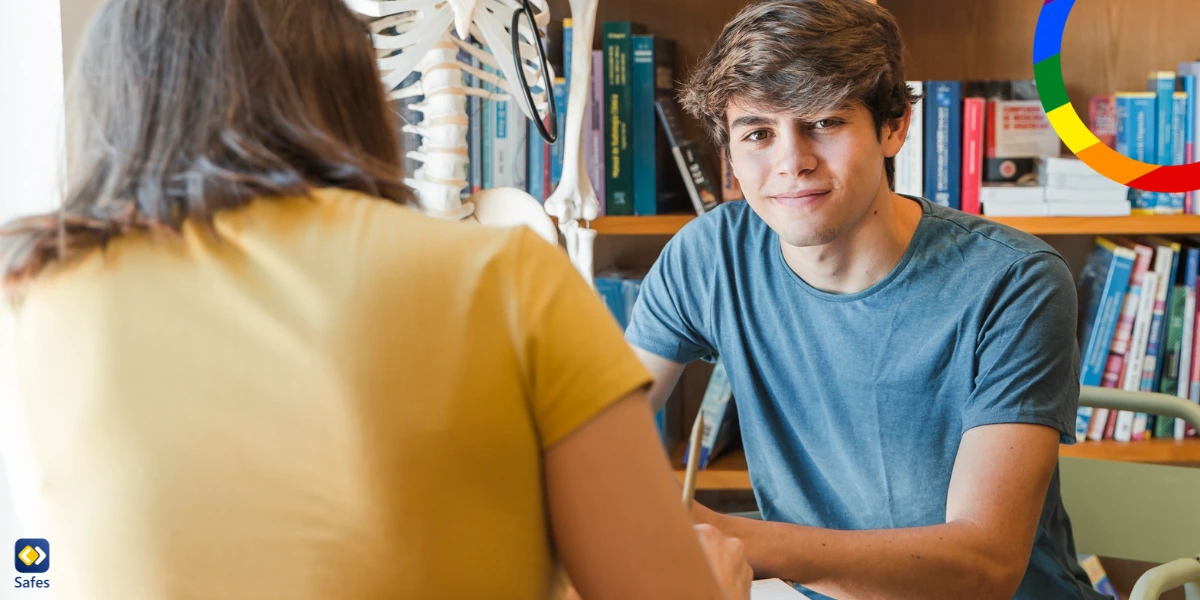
[(618, 62), (1179, 106), (593, 129), (944, 144), (1189, 136), (557, 149), (972, 154), (1137, 353), (1162, 83), (1164, 427), (489, 136), (1102, 119), (642, 129), (910, 162), (1136, 139), (537, 163), (1191, 266)]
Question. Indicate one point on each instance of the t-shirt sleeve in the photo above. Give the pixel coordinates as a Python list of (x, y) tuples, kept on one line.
[(575, 359), (1026, 356), (673, 308)]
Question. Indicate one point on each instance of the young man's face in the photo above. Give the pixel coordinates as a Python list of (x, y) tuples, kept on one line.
[(809, 180)]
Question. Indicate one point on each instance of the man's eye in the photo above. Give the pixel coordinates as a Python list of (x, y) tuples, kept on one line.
[(757, 135), (827, 123)]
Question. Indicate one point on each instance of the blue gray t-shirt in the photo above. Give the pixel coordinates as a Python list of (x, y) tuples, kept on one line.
[(852, 406)]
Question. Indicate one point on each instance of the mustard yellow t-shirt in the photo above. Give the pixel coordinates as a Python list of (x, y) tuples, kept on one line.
[(338, 398)]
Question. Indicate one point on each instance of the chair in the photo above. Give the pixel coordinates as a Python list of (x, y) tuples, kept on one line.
[(1136, 511)]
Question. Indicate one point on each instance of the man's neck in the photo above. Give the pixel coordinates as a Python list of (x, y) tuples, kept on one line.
[(864, 254)]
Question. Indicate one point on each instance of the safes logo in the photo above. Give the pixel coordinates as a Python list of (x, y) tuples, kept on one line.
[(31, 555)]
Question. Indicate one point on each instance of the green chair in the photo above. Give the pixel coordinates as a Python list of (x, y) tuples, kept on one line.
[(1135, 511)]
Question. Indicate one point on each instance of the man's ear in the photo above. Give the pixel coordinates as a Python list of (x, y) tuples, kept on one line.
[(894, 132)]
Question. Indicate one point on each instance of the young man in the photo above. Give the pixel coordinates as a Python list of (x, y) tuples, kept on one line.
[(904, 372)]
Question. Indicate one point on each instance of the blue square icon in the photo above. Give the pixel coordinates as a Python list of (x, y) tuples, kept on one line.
[(32, 555)]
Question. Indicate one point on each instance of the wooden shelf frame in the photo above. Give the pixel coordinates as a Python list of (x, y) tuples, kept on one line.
[(728, 471), (1131, 225)]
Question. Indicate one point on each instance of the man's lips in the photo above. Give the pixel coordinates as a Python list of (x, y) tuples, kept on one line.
[(801, 197)]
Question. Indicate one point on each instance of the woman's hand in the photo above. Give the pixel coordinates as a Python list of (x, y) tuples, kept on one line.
[(727, 557)]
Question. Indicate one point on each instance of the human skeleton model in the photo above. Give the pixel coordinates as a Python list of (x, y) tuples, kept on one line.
[(425, 36)]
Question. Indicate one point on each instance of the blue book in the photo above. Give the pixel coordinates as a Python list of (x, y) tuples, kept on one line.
[(1191, 71), (1162, 83), (1102, 286), (943, 143), (537, 164), (488, 142), (568, 39), (1136, 138), (556, 150), (471, 105), (1179, 123), (642, 130), (1189, 134)]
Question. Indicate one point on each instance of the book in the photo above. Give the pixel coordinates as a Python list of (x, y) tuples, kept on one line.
[(696, 178), (972, 154), (1017, 131), (1097, 575), (618, 93), (943, 143), (655, 191), (1103, 282), (1102, 119), (1136, 138), (720, 416), (910, 162)]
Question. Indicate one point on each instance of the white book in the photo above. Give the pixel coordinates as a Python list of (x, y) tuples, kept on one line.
[(1016, 208), (1079, 195), (1085, 182), (910, 162), (1057, 165), (1082, 209), (1163, 257), (1012, 193), (1132, 379)]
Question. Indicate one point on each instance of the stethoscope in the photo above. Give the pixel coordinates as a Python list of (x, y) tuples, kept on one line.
[(550, 135)]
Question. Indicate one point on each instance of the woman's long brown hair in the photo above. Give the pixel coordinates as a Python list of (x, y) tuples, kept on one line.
[(182, 108)]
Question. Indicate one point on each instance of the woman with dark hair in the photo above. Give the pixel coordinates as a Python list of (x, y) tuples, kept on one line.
[(252, 371)]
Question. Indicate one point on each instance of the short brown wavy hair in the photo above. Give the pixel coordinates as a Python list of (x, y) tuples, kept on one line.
[(802, 57)]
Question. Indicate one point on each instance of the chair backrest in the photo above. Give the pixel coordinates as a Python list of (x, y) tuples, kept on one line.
[(1129, 510)]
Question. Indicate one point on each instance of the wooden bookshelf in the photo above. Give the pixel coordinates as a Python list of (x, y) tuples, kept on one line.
[(728, 472), (1132, 225)]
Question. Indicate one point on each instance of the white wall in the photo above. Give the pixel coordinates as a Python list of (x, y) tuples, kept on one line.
[(30, 106), (33, 35)]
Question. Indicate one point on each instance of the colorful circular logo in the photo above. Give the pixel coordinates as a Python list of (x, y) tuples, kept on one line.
[(1047, 70)]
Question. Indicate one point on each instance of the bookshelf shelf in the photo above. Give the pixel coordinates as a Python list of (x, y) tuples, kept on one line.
[(728, 472), (1132, 225)]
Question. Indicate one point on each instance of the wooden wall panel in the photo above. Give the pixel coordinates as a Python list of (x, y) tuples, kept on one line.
[(1108, 45)]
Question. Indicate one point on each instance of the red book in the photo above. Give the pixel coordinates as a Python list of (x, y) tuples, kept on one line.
[(1102, 119), (972, 158)]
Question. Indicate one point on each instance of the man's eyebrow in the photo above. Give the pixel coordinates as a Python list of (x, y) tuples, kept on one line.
[(751, 121)]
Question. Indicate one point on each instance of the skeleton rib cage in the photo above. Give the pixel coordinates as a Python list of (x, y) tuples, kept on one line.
[(426, 37)]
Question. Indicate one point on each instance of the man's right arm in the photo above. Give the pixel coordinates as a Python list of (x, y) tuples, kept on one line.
[(666, 374)]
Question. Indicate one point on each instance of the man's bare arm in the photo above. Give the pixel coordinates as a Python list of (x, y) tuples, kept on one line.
[(666, 375), (994, 501)]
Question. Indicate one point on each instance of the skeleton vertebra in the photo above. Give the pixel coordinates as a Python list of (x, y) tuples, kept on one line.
[(419, 35)]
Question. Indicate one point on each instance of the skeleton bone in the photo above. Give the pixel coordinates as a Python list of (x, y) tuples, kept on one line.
[(421, 32)]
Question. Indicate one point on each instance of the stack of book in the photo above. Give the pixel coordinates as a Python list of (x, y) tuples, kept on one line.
[(1066, 187)]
